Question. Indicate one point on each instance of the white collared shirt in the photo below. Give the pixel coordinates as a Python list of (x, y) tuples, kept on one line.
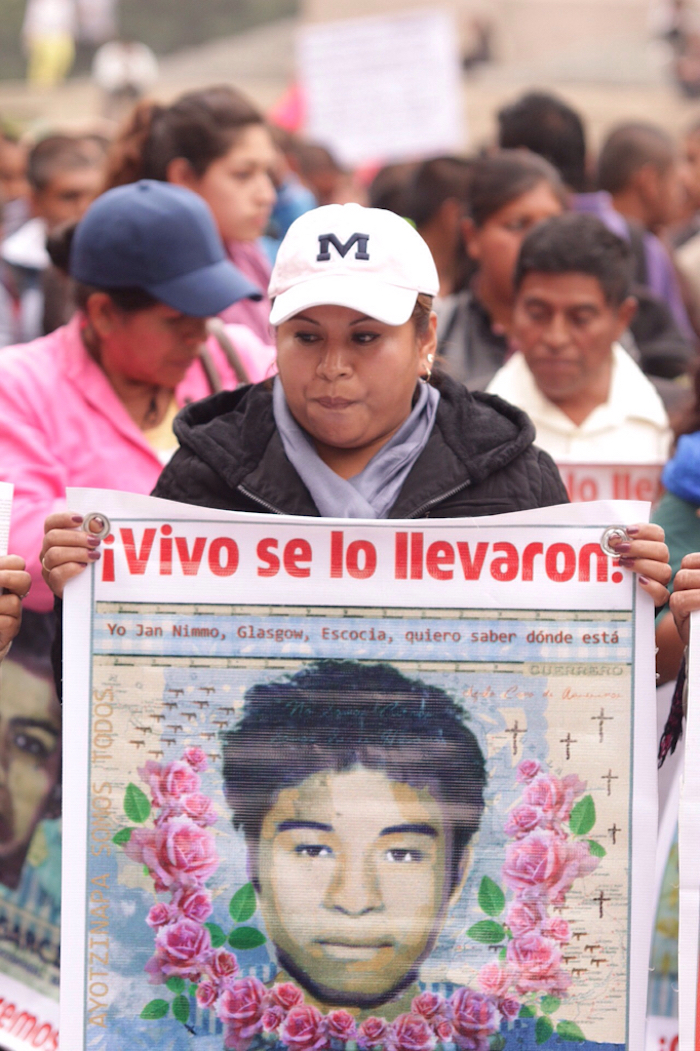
[(630, 427)]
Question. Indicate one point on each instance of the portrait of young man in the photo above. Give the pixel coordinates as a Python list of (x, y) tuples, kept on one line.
[(358, 791)]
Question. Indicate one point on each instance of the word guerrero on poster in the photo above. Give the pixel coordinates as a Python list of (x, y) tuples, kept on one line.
[(356, 785)]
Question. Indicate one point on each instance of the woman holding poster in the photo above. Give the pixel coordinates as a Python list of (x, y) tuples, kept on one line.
[(358, 424)]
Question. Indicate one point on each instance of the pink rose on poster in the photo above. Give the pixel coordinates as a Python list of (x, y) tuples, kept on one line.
[(197, 759), (558, 929), (178, 852), (372, 1033), (525, 916), (528, 771), (159, 915), (182, 949), (207, 995), (410, 1032), (241, 1007), (179, 779), (429, 1006), (494, 979), (303, 1029), (340, 1025), (545, 865), (286, 995), (194, 904), (510, 1009), (200, 808), (474, 1018), (272, 1018), (554, 797), (521, 820), (151, 773), (537, 965), (222, 966), (443, 1030)]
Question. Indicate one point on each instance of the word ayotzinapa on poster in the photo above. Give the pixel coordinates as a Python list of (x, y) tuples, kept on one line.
[(376, 785)]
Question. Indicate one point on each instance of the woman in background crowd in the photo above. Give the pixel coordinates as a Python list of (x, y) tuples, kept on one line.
[(93, 403), (509, 193), (215, 143)]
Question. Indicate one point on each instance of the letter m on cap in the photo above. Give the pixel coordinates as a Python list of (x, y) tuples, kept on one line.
[(326, 240)]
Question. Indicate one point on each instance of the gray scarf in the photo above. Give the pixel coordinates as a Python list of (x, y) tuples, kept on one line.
[(372, 492)]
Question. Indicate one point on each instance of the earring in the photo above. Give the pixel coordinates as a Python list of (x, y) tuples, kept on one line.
[(429, 370)]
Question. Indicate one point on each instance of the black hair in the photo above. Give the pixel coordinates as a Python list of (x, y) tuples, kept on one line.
[(200, 126), (498, 179), (574, 243), (57, 153), (128, 300), (545, 125), (333, 715), (432, 183), (390, 187), (628, 148)]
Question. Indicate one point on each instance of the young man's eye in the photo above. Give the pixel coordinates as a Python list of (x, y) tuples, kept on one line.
[(313, 850), (403, 855)]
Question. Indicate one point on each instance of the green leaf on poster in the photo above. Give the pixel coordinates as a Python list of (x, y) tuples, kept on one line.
[(243, 904), (596, 849), (488, 932), (181, 1008), (155, 1009), (218, 937), (246, 938), (543, 1029), (136, 805), (122, 836), (569, 1031), (526, 1012), (582, 817), (492, 900), (497, 1042), (175, 984), (549, 1004)]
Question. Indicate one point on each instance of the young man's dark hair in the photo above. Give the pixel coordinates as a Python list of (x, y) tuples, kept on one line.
[(582, 244), (545, 125), (630, 147), (57, 153), (335, 715)]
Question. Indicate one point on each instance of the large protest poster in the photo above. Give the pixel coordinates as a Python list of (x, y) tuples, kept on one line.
[(380, 784), (30, 845)]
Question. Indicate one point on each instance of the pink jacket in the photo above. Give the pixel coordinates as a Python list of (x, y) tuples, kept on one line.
[(62, 424)]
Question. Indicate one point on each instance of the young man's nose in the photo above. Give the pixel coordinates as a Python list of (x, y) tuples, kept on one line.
[(355, 888)]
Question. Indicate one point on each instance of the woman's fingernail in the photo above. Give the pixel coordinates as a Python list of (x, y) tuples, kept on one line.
[(632, 530), (624, 546), (77, 519), (93, 541), (93, 555), (628, 563), (643, 580)]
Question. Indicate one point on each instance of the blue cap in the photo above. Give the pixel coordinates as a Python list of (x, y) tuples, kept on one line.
[(162, 239)]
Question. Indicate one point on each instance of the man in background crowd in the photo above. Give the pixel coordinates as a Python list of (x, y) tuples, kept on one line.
[(64, 176)]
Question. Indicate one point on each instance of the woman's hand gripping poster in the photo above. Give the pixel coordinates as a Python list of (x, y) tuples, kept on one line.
[(385, 786)]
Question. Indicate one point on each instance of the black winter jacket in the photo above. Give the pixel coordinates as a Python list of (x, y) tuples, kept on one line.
[(479, 459)]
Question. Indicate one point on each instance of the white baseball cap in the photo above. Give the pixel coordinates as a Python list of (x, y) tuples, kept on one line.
[(368, 259)]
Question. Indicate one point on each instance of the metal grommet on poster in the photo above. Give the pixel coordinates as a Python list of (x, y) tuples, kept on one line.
[(97, 525), (612, 531)]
